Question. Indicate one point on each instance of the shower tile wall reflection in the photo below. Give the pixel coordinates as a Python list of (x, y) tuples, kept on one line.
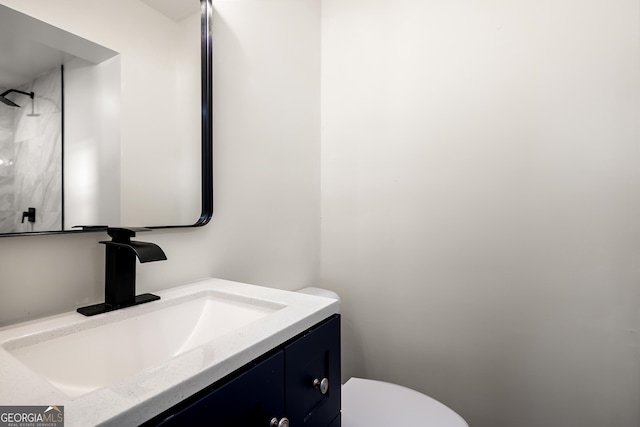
[(7, 119), (31, 156)]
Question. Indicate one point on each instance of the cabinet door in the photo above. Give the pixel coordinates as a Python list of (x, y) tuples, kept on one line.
[(315, 356), (251, 399)]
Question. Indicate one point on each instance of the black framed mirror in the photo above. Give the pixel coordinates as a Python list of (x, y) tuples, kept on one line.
[(129, 131)]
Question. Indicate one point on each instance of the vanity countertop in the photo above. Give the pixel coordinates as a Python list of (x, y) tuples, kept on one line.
[(138, 397)]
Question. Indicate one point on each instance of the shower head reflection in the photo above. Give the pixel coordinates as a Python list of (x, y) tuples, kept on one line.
[(9, 102)]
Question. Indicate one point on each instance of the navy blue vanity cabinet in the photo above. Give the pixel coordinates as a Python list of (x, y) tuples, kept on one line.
[(312, 378), (296, 384), (252, 398)]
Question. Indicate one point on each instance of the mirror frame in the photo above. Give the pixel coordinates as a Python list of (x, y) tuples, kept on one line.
[(206, 153)]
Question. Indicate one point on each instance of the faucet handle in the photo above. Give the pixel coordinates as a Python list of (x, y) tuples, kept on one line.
[(124, 234), (91, 227)]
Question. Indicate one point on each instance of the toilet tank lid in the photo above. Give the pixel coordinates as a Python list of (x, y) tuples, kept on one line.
[(320, 292)]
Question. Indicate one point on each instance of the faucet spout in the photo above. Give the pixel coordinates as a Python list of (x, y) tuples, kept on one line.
[(145, 251), (120, 270)]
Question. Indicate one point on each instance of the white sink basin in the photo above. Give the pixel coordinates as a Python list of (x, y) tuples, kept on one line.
[(78, 362), (127, 366)]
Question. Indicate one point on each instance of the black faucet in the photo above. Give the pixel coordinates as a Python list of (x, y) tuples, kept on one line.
[(120, 271), (29, 214)]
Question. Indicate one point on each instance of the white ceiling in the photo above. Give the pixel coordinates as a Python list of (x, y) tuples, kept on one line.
[(174, 9), (29, 47), (23, 60)]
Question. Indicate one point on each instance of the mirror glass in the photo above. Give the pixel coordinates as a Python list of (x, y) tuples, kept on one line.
[(102, 114)]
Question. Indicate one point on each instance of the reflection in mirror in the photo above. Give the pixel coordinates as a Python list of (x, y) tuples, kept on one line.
[(31, 118), (112, 133)]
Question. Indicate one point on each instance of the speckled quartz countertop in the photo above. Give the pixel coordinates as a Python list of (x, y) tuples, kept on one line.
[(152, 390)]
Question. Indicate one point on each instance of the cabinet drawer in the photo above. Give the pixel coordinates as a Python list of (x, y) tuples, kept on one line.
[(251, 399), (314, 357)]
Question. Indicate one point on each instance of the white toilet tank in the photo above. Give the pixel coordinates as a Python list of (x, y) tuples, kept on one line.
[(320, 292)]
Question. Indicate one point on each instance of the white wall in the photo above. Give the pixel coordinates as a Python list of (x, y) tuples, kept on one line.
[(480, 203), (265, 228), (189, 117), (92, 143)]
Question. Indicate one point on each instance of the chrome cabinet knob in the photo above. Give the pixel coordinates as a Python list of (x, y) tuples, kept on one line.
[(284, 422), (322, 385)]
